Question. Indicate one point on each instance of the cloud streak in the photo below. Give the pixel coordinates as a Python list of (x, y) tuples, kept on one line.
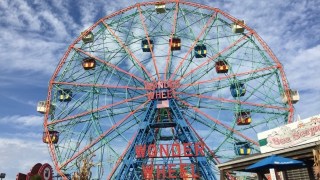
[(18, 155), (35, 34), (24, 121)]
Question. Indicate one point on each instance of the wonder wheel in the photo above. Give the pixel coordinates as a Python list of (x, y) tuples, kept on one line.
[(163, 90)]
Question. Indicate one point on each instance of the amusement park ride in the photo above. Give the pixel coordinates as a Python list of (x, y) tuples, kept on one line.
[(167, 89)]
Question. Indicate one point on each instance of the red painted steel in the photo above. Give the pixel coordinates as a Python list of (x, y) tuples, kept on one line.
[(218, 122), (128, 51), (229, 76), (148, 39), (251, 32), (100, 86), (122, 156), (195, 42), (201, 140), (109, 64), (233, 101), (102, 135), (215, 56), (95, 110), (173, 31)]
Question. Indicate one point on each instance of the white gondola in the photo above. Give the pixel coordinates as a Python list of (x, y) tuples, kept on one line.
[(41, 107), (160, 7), (294, 96), (88, 38), (237, 27)]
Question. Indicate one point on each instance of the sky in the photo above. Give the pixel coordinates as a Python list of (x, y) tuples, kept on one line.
[(34, 35)]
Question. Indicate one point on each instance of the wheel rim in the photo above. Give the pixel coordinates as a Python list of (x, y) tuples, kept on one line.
[(110, 100)]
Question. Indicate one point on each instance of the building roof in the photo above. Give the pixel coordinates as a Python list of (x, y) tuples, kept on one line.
[(302, 152)]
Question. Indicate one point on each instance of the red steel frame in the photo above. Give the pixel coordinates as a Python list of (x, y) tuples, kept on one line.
[(138, 6)]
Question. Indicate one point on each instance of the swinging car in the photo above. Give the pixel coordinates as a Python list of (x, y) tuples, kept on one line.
[(200, 51), (222, 66), (175, 44), (65, 95), (88, 63), (243, 118), (237, 26), (53, 136), (145, 46), (42, 105), (294, 96), (160, 7), (242, 148), (237, 89), (88, 38)]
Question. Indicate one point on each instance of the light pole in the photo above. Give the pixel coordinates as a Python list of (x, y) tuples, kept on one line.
[(2, 175)]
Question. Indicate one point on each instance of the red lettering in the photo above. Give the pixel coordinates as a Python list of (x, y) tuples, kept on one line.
[(152, 150), (158, 95), (314, 130), (169, 94), (141, 151), (147, 171), (183, 172), (275, 141), (151, 95), (187, 149), (164, 152), (199, 149), (171, 171), (148, 85), (160, 84), (296, 136), (161, 172), (164, 95), (165, 85), (175, 150), (193, 171)]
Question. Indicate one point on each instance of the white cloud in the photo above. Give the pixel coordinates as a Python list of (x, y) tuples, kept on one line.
[(19, 15), (19, 155), (26, 121), (303, 74), (34, 37), (290, 28), (54, 24), (302, 70), (30, 53)]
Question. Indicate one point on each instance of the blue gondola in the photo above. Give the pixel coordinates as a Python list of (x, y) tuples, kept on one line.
[(238, 89), (65, 95), (145, 45), (242, 148), (200, 51)]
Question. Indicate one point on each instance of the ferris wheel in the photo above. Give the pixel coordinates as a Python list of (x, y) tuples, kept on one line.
[(163, 89)]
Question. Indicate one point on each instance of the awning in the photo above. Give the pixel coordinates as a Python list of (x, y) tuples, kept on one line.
[(276, 162)]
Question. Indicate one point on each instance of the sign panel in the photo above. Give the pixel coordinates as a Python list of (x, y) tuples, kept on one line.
[(294, 134)]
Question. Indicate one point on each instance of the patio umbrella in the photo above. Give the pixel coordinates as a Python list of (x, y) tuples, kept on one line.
[(276, 162)]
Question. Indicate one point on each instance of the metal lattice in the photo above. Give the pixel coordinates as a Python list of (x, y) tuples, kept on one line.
[(221, 80)]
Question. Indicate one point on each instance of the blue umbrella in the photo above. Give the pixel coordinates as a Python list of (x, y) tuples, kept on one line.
[(276, 162)]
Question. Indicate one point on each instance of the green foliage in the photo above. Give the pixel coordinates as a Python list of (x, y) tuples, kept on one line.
[(36, 177)]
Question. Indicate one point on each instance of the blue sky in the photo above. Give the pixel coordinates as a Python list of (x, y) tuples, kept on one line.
[(36, 33)]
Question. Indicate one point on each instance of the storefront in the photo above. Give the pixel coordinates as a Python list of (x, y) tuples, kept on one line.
[(299, 140)]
